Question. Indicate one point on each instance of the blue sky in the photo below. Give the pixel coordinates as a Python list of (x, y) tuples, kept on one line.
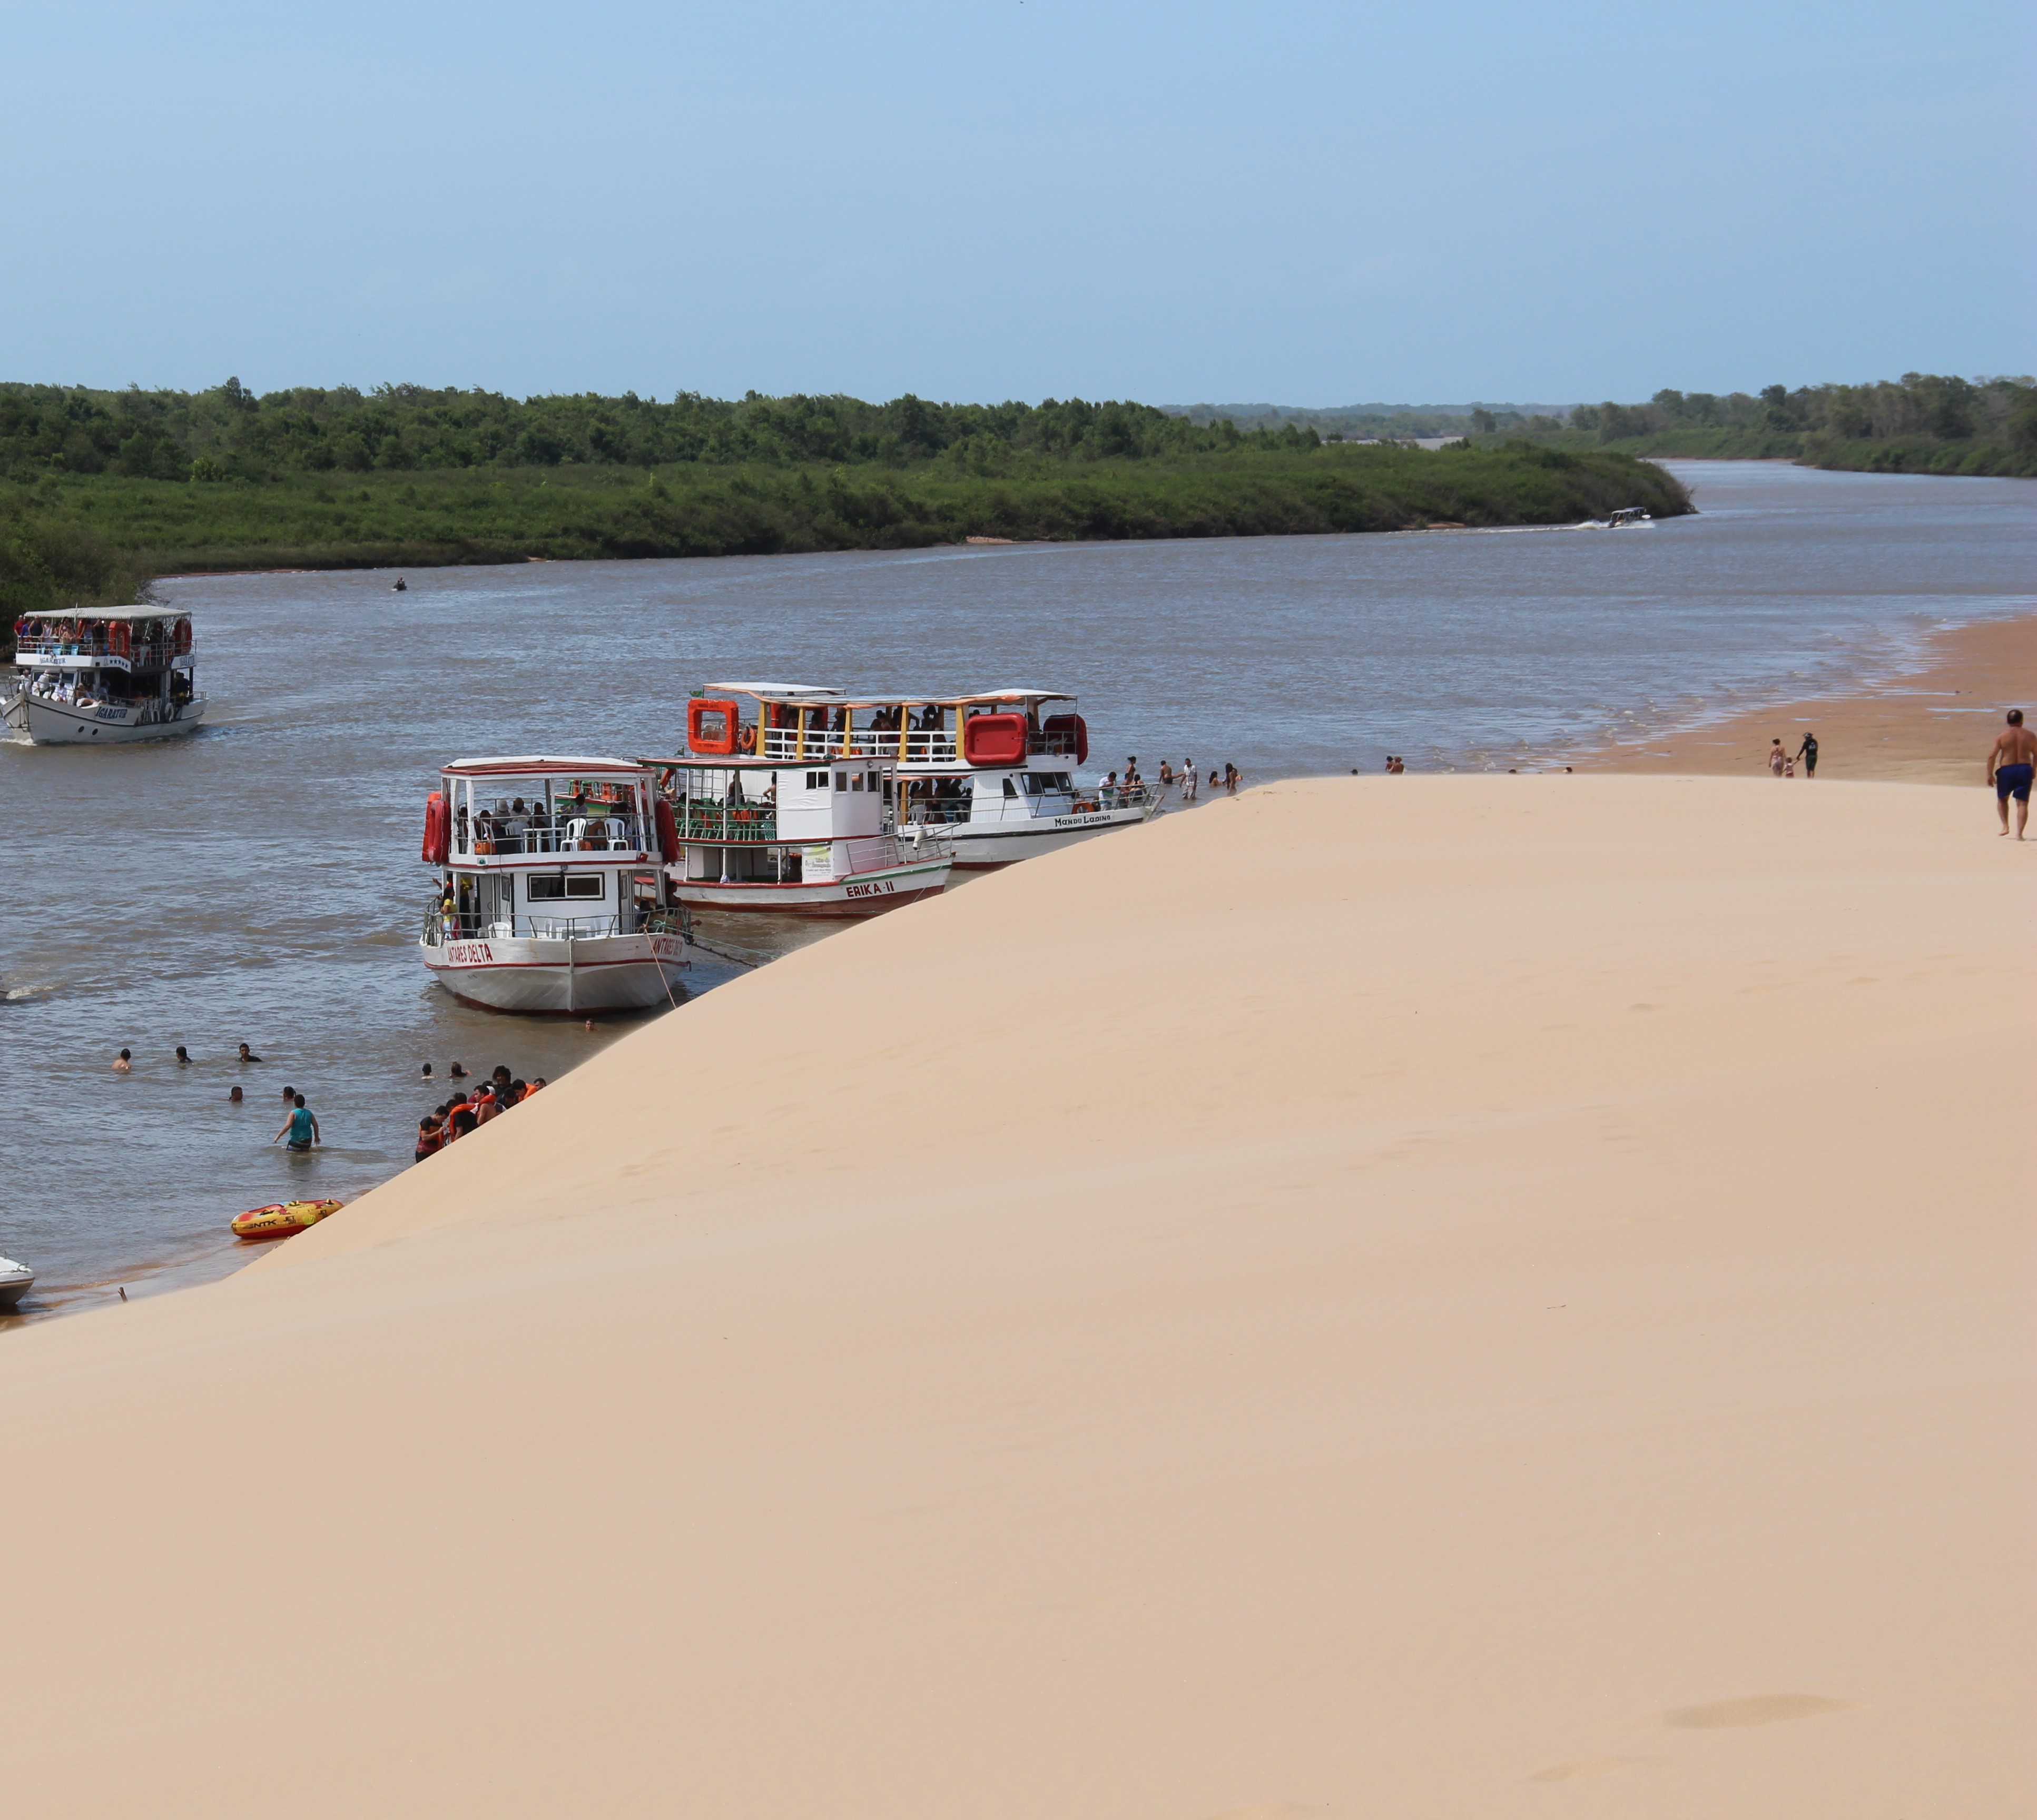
[(1303, 203)]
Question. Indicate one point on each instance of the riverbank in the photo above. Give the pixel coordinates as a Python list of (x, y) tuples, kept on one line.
[(1932, 725), (434, 518), (1505, 1336)]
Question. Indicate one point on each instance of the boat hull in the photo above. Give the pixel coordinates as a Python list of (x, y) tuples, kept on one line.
[(58, 724), (539, 977), (985, 846), (14, 1284), (861, 894)]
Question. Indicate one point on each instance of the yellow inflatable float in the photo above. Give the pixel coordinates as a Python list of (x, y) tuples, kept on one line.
[(282, 1219)]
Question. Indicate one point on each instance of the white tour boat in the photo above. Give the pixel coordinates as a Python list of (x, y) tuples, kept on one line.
[(804, 829), (16, 1281), (552, 898), (996, 772), (101, 676)]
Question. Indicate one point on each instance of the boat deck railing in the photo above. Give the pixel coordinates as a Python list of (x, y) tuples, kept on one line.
[(579, 834), (440, 927), (953, 811), (906, 746)]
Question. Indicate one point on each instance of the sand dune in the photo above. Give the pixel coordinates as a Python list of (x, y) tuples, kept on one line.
[(1456, 1296)]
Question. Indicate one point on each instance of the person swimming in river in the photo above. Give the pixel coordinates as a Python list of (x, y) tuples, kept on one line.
[(402, 587), (247, 1054), (123, 1062), (300, 1128)]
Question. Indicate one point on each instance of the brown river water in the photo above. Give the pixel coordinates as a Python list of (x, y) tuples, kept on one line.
[(259, 882)]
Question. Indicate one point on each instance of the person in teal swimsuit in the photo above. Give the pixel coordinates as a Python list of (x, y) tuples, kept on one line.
[(300, 1128)]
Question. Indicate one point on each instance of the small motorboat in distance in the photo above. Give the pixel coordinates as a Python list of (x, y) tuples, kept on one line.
[(552, 898), (102, 676), (808, 828), (1628, 516), (16, 1281)]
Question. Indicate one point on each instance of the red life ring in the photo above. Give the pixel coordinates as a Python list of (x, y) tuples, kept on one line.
[(668, 834), (438, 830), (119, 640), (711, 726), (183, 638), (1065, 725)]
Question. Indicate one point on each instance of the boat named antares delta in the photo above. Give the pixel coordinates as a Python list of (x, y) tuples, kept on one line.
[(809, 828), (103, 676), (551, 897), (992, 776)]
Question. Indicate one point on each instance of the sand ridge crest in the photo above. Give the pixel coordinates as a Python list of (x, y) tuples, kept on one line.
[(1219, 1351)]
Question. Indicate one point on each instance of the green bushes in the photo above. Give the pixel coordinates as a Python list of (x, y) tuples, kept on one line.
[(328, 520)]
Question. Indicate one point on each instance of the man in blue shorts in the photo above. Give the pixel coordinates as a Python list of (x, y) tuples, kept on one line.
[(2009, 768)]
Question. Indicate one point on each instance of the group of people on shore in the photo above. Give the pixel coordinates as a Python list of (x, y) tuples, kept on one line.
[(1229, 780), (468, 1112), (1783, 764)]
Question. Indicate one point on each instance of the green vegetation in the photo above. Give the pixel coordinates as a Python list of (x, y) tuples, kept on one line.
[(101, 488), (1924, 423)]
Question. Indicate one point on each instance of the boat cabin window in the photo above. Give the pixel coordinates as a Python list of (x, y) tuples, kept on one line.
[(817, 781), (1043, 782), (548, 887)]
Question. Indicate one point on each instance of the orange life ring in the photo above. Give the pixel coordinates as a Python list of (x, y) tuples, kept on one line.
[(119, 640), (712, 726)]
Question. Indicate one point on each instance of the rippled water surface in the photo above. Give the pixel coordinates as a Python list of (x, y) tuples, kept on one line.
[(260, 882)]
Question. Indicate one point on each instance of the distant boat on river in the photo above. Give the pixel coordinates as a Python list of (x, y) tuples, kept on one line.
[(103, 676)]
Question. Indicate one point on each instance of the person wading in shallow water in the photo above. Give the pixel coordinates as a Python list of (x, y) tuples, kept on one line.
[(300, 1128), (2009, 769)]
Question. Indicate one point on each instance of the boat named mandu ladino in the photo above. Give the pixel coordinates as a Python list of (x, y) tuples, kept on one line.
[(552, 896), (103, 676)]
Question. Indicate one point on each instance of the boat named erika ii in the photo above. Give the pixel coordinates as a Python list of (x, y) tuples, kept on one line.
[(806, 831), (103, 676), (552, 896)]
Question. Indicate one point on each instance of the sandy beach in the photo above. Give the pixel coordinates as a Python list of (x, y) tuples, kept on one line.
[(1548, 1334), (1931, 726)]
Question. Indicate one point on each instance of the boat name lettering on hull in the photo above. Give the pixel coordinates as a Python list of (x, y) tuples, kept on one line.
[(1080, 821), (469, 953), (877, 890)]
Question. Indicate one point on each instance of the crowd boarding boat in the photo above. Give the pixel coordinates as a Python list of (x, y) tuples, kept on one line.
[(553, 895), (993, 774), (103, 676), (807, 827)]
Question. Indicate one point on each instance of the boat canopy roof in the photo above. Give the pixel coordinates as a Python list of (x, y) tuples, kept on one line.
[(798, 697), (537, 766), (135, 613), (780, 691)]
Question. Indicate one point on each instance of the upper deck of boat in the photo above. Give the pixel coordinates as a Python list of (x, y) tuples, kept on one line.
[(800, 723)]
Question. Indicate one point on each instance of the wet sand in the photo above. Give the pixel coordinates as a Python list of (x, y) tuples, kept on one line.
[(1933, 725), (1466, 1296)]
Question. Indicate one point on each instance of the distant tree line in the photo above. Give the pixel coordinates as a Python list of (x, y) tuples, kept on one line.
[(231, 432), (1922, 421)]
